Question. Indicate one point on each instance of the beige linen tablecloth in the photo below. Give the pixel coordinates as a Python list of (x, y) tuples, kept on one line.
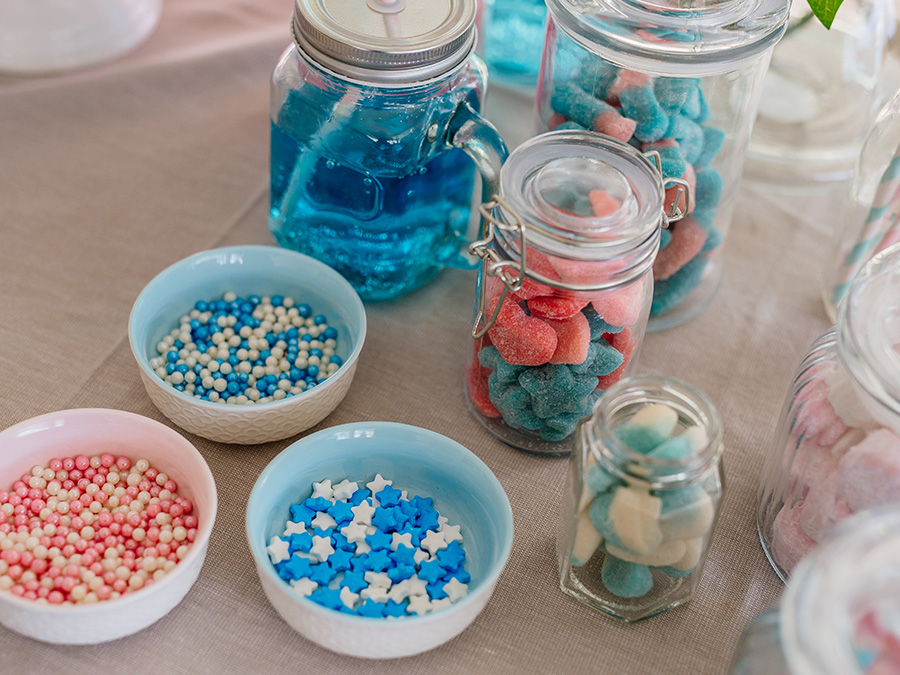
[(108, 175)]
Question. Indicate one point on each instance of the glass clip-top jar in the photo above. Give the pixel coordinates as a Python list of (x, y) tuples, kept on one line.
[(564, 289), (679, 76), (642, 498), (836, 450), (374, 110)]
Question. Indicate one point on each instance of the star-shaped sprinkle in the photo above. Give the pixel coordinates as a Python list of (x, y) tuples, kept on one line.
[(442, 520), (340, 560), (322, 573), (344, 490), (436, 590), (431, 571), (388, 496), (348, 597), (375, 593), (301, 541), (400, 572), (354, 581), (398, 540), (371, 608), (404, 556), (378, 484), (433, 542), (450, 532), (362, 548), (440, 604), (459, 574), (452, 556), (421, 503), (427, 519), (304, 586), (363, 512), (328, 597), (297, 567), (378, 579), (421, 556), (355, 532), (417, 586), (294, 528), (340, 541), (379, 541), (359, 496), (301, 513), (323, 489), (323, 521), (341, 512), (384, 519), (399, 591), (394, 609), (321, 548), (455, 589), (317, 504), (379, 560), (418, 604), (278, 550)]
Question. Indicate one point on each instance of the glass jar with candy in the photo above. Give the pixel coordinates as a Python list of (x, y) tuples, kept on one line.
[(839, 615), (510, 34), (682, 78), (373, 111), (564, 291), (642, 499), (836, 450)]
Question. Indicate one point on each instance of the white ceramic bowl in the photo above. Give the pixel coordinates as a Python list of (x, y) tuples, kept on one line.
[(91, 432), (247, 270), (419, 461)]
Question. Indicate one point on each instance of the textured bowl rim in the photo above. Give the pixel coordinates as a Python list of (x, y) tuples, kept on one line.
[(263, 563), (257, 408), (198, 548)]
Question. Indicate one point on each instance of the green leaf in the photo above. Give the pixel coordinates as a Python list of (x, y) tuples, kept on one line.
[(825, 10)]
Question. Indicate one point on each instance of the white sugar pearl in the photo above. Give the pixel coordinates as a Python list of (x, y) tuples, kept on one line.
[(176, 378), (218, 338), (203, 359), (230, 296), (278, 395), (225, 368), (213, 396), (213, 366), (244, 367), (222, 321), (220, 385)]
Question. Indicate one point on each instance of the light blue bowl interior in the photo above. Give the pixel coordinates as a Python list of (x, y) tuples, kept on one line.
[(417, 460), (246, 270)]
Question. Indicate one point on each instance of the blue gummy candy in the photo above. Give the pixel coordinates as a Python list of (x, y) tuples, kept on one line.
[(602, 359), (597, 324), (515, 407), (559, 427), (672, 162), (625, 579), (669, 292), (639, 438), (569, 125), (596, 77), (665, 236), (691, 107), (640, 104), (578, 105), (556, 390), (598, 513), (689, 135), (673, 92), (674, 448), (712, 143), (599, 479), (708, 190), (489, 357)]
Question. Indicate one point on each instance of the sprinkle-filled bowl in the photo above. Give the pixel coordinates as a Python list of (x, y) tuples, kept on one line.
[(246, 271), (422, 462), (91, 432)]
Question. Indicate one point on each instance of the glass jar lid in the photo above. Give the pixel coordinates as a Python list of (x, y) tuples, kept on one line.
[(868, 334), (673, 37), (386, 41), (582, 195)]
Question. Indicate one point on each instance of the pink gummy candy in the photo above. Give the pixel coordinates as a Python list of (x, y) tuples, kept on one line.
[(660, 144), (688, 238), (573, 339), (622, 343), (822, 509), (585, 272), (626, 79), (812, 409), (476, 380), (613, 124), (555, 120), (603, 204), (869, 474), (789, 542), (538, 263), (690, 178), (811, 465), (522, 340), (620, 306), (555, 307)]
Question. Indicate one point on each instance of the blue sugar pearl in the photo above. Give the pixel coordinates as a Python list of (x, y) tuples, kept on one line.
[(170, 368), (304, 310), (233, 360), (201, 306), (233, 388), (315, 352), (312, 370), (245, 344), (264, 354), (200, 390), (270, 338), (200, 334), (281, 336), (179, 387), (254, 300), (178, 344), (182, 368), (283, 376), (172, 355), (243, 378), (246, 308), (337, 360), (330, 333), (306, 337), (198, 368), (221, 306), (277, 300), (195, 324), (293, 333), (271, 389), (319, 319)]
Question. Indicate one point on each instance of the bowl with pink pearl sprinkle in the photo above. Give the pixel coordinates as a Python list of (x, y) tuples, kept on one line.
[(105, 519)]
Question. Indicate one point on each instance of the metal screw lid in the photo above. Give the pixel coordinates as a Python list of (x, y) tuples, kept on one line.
[(386, 41)]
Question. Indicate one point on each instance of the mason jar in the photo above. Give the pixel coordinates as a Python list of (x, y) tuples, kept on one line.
[(839, 614), (836, 450), (373, 110), (643, 493), (682, 78), (564, 291)]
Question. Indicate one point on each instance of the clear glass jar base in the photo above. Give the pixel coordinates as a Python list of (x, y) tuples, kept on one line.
[(520, 440), (765, 547)]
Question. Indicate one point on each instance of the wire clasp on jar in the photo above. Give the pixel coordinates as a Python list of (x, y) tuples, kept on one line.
[(675, 213), (510, 272)]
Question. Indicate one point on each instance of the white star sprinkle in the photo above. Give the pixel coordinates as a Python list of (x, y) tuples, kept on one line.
[(450, 533), (294, 528), (355, 532), (418, 604), (398, 539), (375, 593), (455, 589), (344, 490), (378, 579), (433, 542), (304, 586), (323, 489), (348, 597), (378, 484), (321, 548), (277, 550), (363, 512), (323, 521)]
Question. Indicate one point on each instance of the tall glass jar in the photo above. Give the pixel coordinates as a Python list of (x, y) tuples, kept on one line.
[(510, 34), (642, 499), (564, 291), (837, 447), (680, 77), (839, 614), (373, 112)]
